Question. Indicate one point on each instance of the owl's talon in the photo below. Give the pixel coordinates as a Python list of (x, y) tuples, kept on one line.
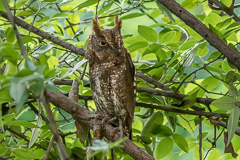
[(118, 129), (99, 116)]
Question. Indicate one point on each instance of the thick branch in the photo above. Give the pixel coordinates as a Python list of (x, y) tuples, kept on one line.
[(232, 55), (45, 35), (82, 115)]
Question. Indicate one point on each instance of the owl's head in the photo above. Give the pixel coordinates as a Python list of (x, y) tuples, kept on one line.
[(105, 45)]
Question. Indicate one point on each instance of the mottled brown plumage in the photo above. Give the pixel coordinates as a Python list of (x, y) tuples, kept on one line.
[(112, 74)]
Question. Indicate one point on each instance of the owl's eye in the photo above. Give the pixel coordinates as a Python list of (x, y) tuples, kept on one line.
[(102, 43)]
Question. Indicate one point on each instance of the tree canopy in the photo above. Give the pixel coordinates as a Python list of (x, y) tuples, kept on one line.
[(186, 53)]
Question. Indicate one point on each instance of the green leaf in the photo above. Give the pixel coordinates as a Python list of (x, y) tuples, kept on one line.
[(210, 83), (168, 37), (8, 117), (162, 131), (3, 150), (35, 132), (190, 100), (29, 65), (181, 142), (52, 62), (217, 32), (233, 123), (73, 18), (212, 19), (214, 154), (8, 52), (146, 140), (154, 121), (2, 136), (230, 77), (25, 13), (135, 46), (23, 154), (224, 103), (227, 3), (196, 152), (232, 91), (58, 28), (148, 33), (224, 23), (132, 15), (87, 3), (164, 147), (19, 93), (5, 96), (24, 124), (45, 48), (10, 35), (202, 51), (105, 8)]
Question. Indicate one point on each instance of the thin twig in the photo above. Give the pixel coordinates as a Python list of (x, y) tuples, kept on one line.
[(49, 148), (200, 136), (11, 19), (62, 150)]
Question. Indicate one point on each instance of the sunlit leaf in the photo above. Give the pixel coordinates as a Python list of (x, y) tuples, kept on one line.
[(154, 121), (87, 3), (23, 123), (35, 132), (135, 46), (23, 154), (19, 93), (167, 37), (164, 147), (148, 33), (3, 150), (181, 142), (233, 123), (224, 103)]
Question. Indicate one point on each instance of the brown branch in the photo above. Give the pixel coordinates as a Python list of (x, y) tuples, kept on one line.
[(217, 122), (62, 150), (221, 6), (49, 148), (82, 115), (200, 136), (195, 71), (173, 94), (232, 55), (175, 110), (152, 81), (74, 49)]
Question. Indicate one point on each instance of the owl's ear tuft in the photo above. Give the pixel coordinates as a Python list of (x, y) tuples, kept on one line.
[(96, 27), (117, 28), (118, 23)]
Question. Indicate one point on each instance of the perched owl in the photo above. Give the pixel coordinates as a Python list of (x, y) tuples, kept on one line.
[(112, 74)]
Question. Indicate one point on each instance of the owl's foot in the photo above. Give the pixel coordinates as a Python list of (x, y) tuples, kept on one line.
[(116, 130)]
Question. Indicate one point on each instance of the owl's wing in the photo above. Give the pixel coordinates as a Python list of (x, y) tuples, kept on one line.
[(131, 92)]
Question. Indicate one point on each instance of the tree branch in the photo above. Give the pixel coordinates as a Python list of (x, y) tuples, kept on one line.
[(173, 94), (74, 49), (82, 115), (232, 55)]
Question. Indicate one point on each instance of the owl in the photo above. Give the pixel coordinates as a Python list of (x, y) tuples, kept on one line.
[(112, 74)]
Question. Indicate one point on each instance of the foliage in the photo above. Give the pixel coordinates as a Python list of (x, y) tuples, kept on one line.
[(162, 47)]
